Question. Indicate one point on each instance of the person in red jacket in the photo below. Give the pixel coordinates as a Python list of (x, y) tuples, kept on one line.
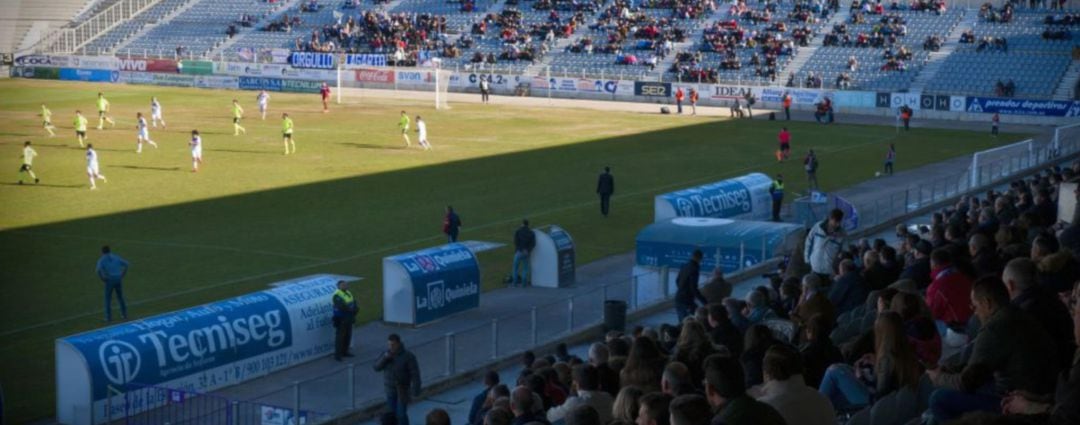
[(679, 96), (949, 293)]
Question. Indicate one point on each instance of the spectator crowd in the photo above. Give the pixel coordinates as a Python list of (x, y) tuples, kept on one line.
[(971, 317)]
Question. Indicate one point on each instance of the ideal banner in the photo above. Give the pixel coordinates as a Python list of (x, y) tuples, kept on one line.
[(718, 92), (148, 65), (426, 285), (1040, 108), (91, 75), (742, 197), (199, 349), (366, 59), (729, 244), (652, 89), (312, 60)]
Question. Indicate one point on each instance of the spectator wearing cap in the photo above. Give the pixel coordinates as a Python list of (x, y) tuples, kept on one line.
[(847, 291), (725, 389), (785, 390)]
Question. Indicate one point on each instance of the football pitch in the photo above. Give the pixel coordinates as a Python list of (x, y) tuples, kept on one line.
[(351, 195)]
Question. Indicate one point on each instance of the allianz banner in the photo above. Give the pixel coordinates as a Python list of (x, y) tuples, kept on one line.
[(199, 349), (741, 197), (1040, 108), (652, 89), (426, 285)]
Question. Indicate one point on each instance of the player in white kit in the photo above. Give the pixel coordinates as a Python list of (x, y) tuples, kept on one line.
[(155, 113), (264, 102), (421, 128), (144, 133), (196, 150), (92, 167)]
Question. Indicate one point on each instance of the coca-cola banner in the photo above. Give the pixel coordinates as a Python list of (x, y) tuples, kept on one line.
[(375, 75)]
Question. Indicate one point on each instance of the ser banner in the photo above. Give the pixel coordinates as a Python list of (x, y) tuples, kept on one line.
[(652, 89), (199, 349), (1040, 108)]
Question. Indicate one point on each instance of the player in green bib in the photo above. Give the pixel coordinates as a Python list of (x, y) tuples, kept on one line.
[(403, 124), (80, 128), (237, 113), (103, 111), (46, 120), (286, 133)]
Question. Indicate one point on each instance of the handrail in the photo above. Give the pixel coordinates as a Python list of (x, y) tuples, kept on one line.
[(70, 40)]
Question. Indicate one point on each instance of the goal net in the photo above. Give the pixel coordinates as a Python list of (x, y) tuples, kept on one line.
[(1066, 139), (1003, 161), (425, 83)]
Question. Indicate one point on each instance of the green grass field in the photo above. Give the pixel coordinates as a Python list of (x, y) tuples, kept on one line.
[(350, 196)]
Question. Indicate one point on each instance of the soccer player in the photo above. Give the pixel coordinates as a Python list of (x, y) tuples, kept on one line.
[(28, 162), (103, 112), (46, 120), (785, 145), (196, 150), (403, 124), (264, 102), (144, 133), (155, 113), (92, 167), (286, 133), (80, 128), (421, 128), (325, 92), (237, 113)]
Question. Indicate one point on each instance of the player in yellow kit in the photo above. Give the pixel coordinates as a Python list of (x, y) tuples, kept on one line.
[(46, 120), (80, 128), (237, 113), (103, 107), (287, 133)]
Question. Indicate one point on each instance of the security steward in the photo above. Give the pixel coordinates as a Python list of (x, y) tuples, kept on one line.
[(344, 317), (777, 192)]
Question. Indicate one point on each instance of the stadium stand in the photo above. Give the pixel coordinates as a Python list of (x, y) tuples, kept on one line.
[(25, 21)]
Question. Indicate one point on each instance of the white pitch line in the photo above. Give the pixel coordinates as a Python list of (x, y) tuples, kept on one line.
[(171, 244), (394, 247)]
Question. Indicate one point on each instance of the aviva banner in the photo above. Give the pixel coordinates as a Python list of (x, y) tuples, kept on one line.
[(198, 349)]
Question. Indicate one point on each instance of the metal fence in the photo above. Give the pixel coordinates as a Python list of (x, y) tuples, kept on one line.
[(137, 404), (902, 201)]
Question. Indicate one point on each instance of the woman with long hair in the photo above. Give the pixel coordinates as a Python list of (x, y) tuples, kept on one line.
[(644, 366), (627, 404), (692, 349), (892, 366)]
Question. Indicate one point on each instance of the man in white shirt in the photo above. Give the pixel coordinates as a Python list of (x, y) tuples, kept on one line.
[(92, 166), (155, 113), (785, 390), (586, 384), (421, 128)]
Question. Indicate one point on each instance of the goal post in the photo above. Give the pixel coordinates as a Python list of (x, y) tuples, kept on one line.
[(1066, 139), (996, 163), (442, 88)]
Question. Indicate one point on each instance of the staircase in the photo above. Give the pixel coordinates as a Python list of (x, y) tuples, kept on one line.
[(1065, 88), (146, 28), (934, 63), (805, 53)]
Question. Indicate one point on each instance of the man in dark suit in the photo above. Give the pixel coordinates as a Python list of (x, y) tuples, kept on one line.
[(687, 292), (605, 187)]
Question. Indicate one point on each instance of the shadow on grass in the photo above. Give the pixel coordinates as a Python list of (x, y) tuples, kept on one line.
[(142, 167), (55, 186), (371, 146), (243, 151)]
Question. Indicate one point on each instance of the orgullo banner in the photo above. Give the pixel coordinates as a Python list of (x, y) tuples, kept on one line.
[(148, 65), (312, 60), (199, 349), (744, 197)]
